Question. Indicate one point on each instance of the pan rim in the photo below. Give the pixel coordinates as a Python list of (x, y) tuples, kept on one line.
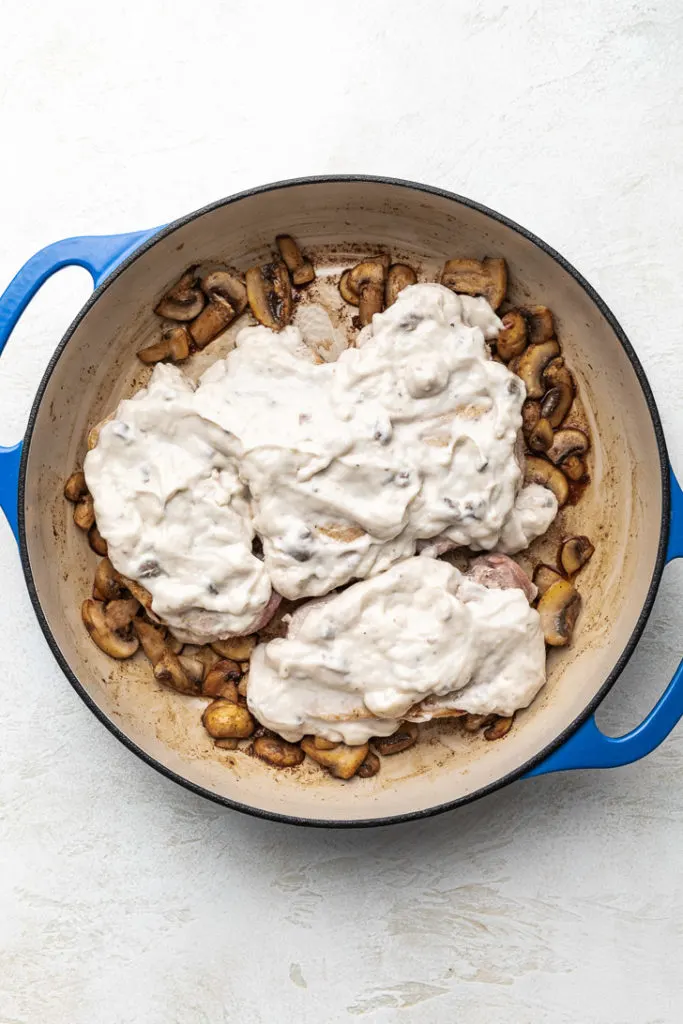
[(625, 654)]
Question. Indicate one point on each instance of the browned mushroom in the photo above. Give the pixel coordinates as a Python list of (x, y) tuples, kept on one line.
[(137, 590), (345, 291), (341, 761), (404, 737), (119, 613), (184, 300), (558, 398), (169, 671), (488, 277), (235, 648), (574, 467), (228, 285), (367, 280), (96, 541), (94, 432), (322, 744), (152, 638), (512, 340), (174, 344), (501, 727), (112, 643), (539, 471), (107, 585), (544, 577), (568, 441), (300, 269), (224, 720), (540, 439), (84, 512), (278, 752), (540, 324), (574, 553), (243, 685), (369, 767), (212, 321), (532, 364), (473, 723), (221, 680), (531, 414), (75, 488), (269, 292), (400, 276), (559, 609), (193, 669)]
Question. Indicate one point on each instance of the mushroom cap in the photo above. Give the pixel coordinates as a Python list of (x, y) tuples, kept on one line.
[(112, 643)]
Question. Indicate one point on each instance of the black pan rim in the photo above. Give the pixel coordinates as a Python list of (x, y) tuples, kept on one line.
[(626, 653)]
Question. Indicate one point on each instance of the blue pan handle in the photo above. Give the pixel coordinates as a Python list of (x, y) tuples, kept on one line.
[(98, 254), (590, 748)]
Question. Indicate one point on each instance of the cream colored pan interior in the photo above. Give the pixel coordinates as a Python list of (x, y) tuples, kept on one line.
[(337, 222)]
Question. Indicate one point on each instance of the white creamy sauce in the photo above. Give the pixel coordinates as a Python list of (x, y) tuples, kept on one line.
[(355, 664)]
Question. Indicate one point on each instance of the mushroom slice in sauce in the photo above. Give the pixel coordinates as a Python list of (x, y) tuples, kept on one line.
[(531, 414), (107, 585), (119, 613), (212, 321), (473, 723), (404, 737), (228, 285), (574, 467), (559, 608), (235, 648), (96, 541), (568, 441), (84, 513), (184, 301), (152, 638), (400, 276), (369, 767), (174, 344), (512, 340), (501, 727), (532, 364), (544, 577), (488, 277), (112, 643), (169, 671), (341, 761), (574, 553), (540, 438), (346, 292), (75, 487), (367, 280), (269, 292), (278, 752), (540, 471), (224, 720), (300, 269), (540, 322), (558, 398), (222, 679)]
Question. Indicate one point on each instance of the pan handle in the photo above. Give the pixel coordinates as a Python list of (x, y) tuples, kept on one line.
[(590, 748), (98, 254)]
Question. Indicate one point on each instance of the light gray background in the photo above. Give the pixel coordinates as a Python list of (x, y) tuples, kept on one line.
[(123, 899)]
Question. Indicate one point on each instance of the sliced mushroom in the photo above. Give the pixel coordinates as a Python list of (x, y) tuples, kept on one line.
[(173, 644), (532, 364), (107, 585), (558, 398), (97, 541), (152, 638), (367, 280), (169, 671), (540, 471), (184, 301), (269, 292), (322, 744), (243, 686), (119, 613), (512, 340), (341, 761), (400, 276), (174, 344), (84, 513), (370, 766), (226, 744), (501, 727), (574, 553), (221, 680), (574, 467), (301, 270), (228, 285), (531, 414), (544, 577), (94, 432), (346, 292), (568, 441), (540, 438), (488, 277), (278, 752), (137, 590), (212, 321), (224, 720), (540, 322), (473, 723), (116, 646), (404, 737), (75, 488), (559, 609), (193, 669), (236, 648)]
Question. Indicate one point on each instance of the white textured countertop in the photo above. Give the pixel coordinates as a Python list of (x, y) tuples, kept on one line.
[(124, 899)]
